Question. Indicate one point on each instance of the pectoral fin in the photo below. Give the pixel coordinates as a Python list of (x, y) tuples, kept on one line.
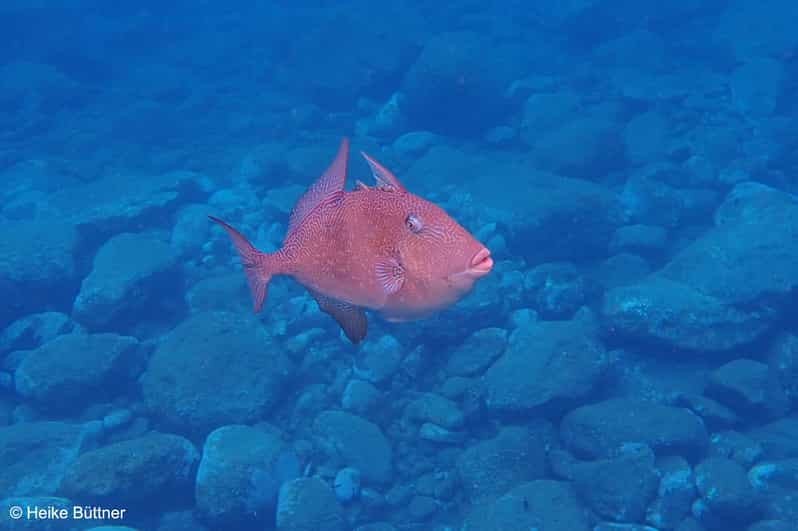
[(351, 318), (390, 275)]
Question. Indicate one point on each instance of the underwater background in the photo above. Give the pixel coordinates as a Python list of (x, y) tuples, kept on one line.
[(631, 363)]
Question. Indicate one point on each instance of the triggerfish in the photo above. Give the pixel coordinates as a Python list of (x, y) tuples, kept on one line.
[(377, 247)]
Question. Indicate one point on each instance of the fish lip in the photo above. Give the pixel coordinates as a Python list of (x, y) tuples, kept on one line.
[(481, 264)]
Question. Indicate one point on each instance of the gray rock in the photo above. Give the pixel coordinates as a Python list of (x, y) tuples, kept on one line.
[(675, 494), (179, 521), (749, 387), (239, 475), (35, 455), (434, 433), (645, 240), (429, 407), (744, 259), (621, 488), (673, 314), (75, 369), (583, 214), (756, 86), (117, 419), (214, 369), (783, 359), (746, 31), (31, 279), (775, 475), (541, 504), (646, 138), (726, 494), (308, 504), (456, 387), (690, 524), (347, 484), (772, 525), (379, 526), (545, 111), (148, 469), (567, 359), (621, 270), (490, 468), (219, 293), (735, 446), (379, 359), (715, 416), (599, 430), (656, 194), (115, 204), (34, 330), (478, 351), (557, 289), (360, 397), (595, 130), (414, 143), (779, 439), (356, 442), (130, 275), (611, 526), (439, 98), (421, 508)]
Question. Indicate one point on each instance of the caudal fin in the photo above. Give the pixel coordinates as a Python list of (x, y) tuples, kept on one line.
[(259, 267)]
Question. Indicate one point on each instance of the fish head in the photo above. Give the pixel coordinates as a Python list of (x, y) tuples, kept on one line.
[(441, 260)]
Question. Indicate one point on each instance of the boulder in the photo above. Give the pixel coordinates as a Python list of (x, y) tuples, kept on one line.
[(749, 387), (477, 352), (32, 331), (213, 369), (31, 279), (675, 494), (131, 277), (353, 441), (727, 497), (490, 468), (239, 475), (34, 456), (76, 369), (619, 489), (308, 504), (542, 504), (435, 409), (546, 363), (144, 470), (557, 289), (455, 87), (675, 315), (600, 429)]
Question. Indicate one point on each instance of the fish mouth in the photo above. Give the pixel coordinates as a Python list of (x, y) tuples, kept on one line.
[(481, 264)]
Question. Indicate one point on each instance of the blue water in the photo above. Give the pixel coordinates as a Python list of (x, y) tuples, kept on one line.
[(630, 361)]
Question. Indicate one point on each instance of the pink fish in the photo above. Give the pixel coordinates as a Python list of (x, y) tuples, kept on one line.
[(379, 248)]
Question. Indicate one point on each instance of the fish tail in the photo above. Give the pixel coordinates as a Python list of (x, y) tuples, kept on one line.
[(258, 267)]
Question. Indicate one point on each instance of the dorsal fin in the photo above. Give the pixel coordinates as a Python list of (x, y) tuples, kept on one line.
[(385, 179), (330, 182)]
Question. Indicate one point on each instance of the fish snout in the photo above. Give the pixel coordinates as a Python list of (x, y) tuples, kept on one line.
[(481, 263)]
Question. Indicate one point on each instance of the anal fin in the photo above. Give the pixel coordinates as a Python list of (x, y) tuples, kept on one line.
[(352, 319)]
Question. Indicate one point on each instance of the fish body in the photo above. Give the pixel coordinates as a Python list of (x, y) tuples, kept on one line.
[(379, 248)]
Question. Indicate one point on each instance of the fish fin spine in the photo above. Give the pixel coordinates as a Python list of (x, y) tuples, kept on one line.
[(258, 267)]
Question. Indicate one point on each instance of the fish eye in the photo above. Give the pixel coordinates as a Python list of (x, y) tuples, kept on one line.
[(413, 223)]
